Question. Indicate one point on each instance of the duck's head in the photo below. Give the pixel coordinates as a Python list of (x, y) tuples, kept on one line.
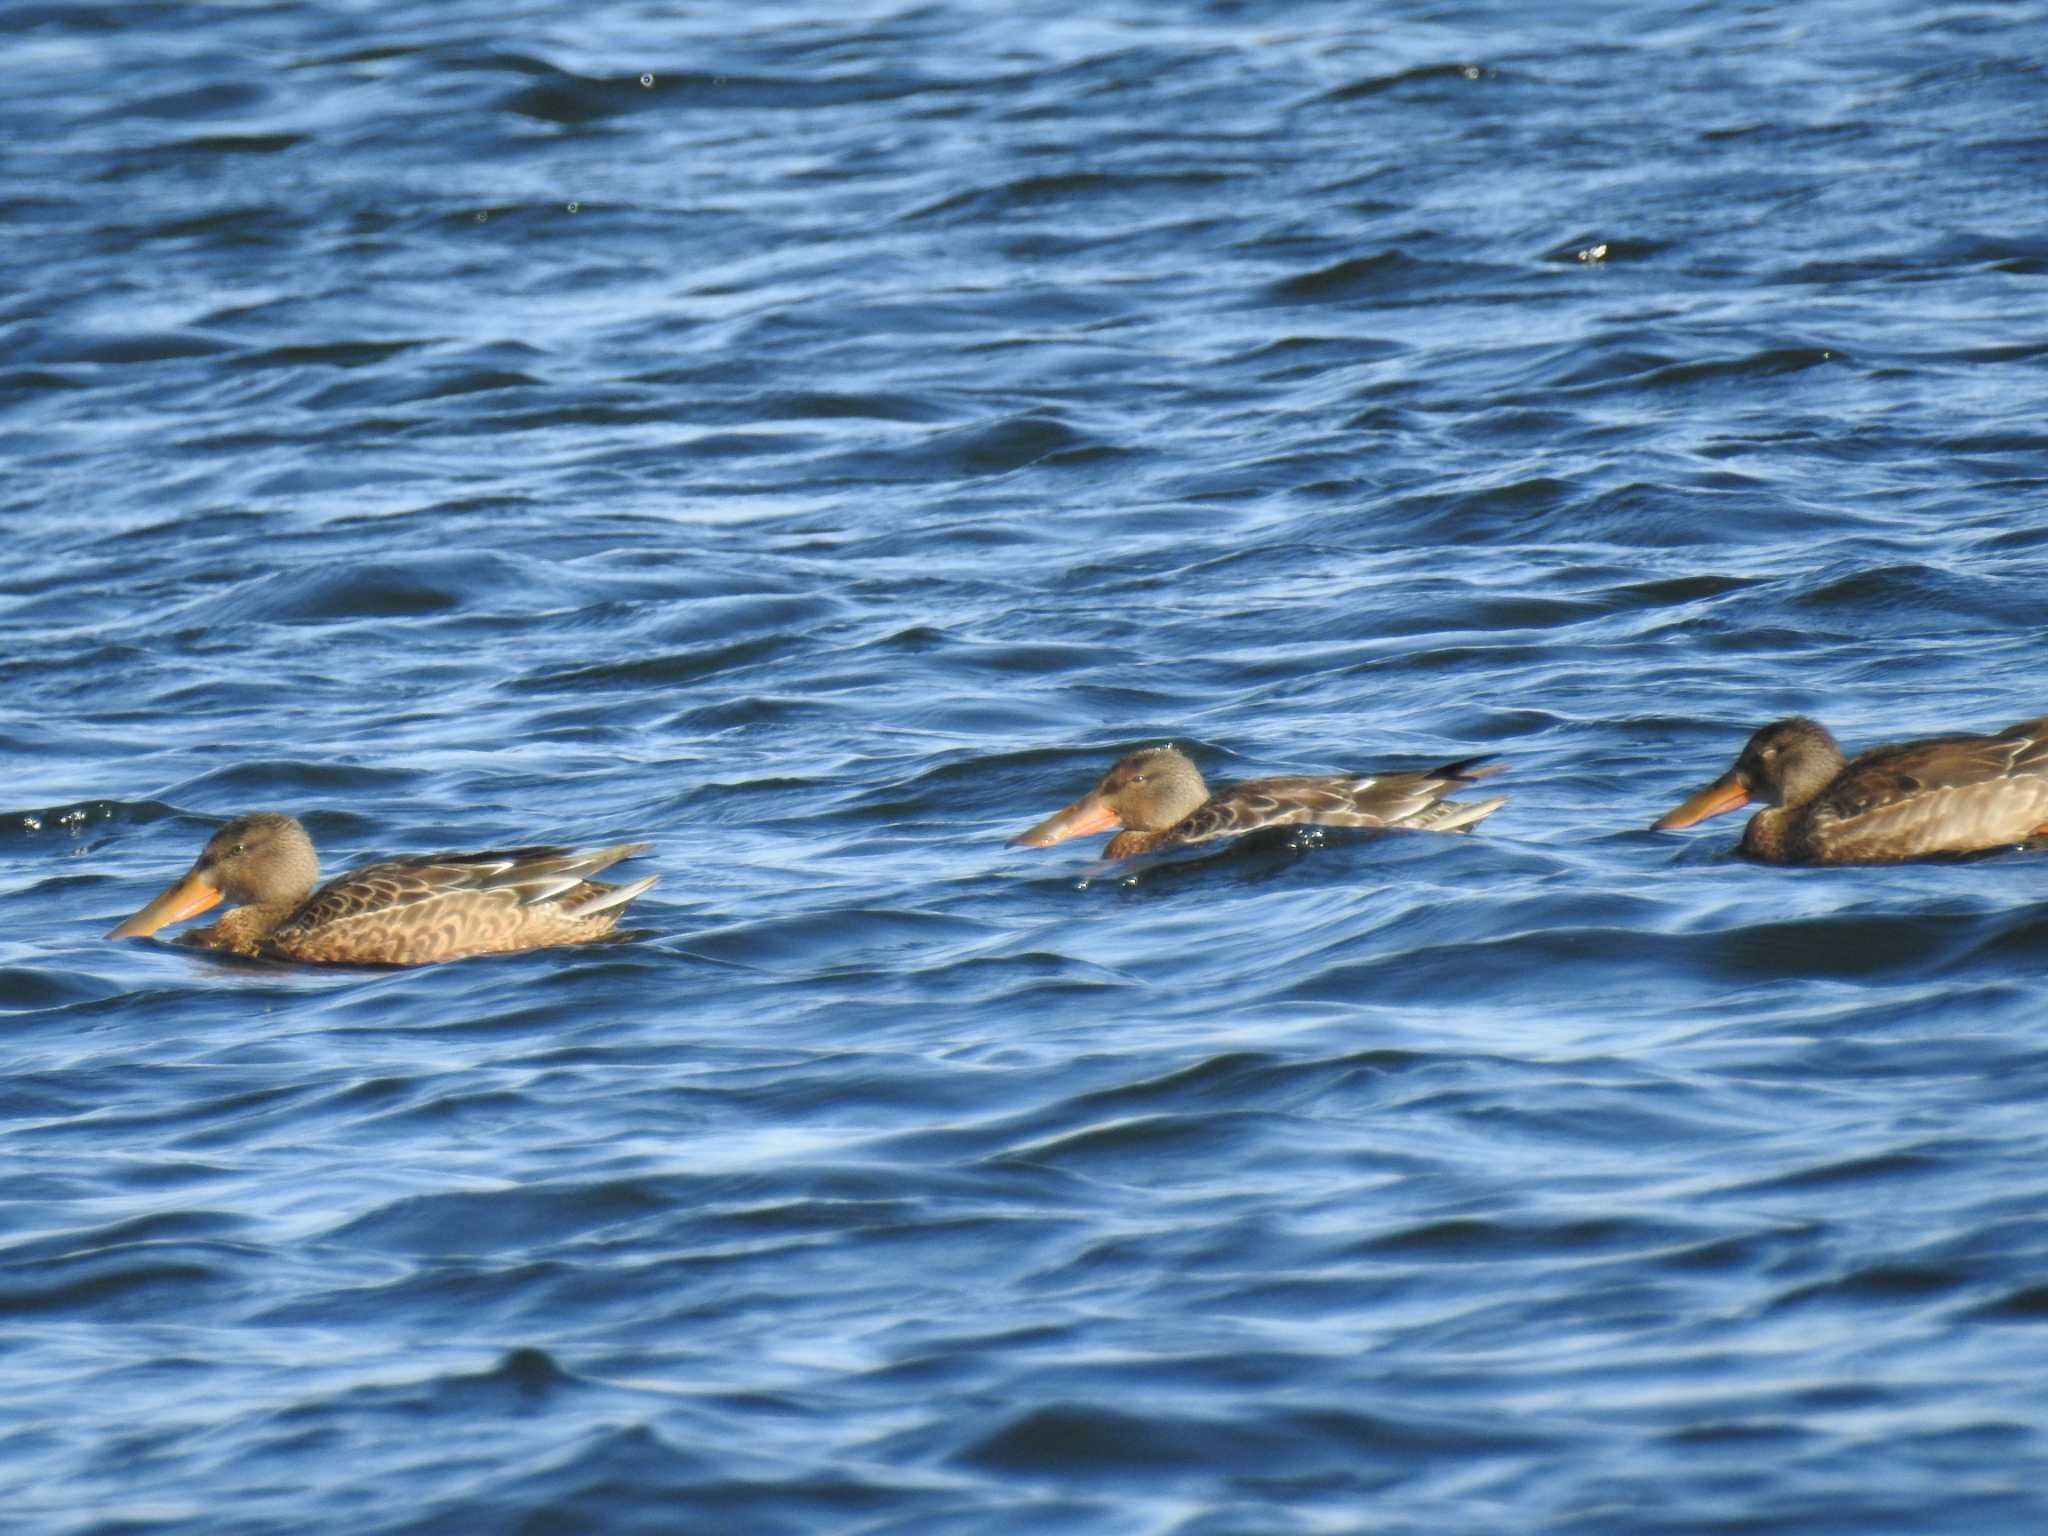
[(262, 860), (1788, 762), (1147, 791)]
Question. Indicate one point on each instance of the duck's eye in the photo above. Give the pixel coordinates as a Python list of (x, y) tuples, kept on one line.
[(238, 850), (1137, 778)]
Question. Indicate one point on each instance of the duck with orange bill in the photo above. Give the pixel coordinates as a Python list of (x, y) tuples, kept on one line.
[(1944, 795), (1158, 800), (404, 911)]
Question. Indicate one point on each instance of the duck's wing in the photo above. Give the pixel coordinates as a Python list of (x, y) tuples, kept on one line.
[(436, 906), (1953, 794), (1415, 800)]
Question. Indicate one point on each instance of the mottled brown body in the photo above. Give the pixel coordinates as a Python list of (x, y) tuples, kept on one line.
[(1945, 795), (399, 912), (391, 928), (1160, 800)]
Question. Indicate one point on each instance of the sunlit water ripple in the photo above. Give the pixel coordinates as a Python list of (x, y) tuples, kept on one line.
[(818, 440)]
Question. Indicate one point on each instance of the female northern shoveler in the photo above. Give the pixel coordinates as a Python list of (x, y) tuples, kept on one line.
[(438, 906), (1158, 797), (1952, 794)]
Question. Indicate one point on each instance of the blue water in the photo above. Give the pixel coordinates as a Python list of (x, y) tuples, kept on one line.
[(818, 439)]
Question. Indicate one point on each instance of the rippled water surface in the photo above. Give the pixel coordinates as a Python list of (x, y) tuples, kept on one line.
[(817, 440)]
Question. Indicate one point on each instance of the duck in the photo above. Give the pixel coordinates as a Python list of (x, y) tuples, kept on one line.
[(1944, 795), (403, 911), (1158, 798)]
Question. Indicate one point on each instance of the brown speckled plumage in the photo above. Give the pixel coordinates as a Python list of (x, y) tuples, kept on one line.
[(1949, 794), (407, 911), (1160, 800)]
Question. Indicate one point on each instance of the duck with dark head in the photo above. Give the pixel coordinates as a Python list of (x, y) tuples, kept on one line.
[(1158, 797), (1948, 794), (399, 912)]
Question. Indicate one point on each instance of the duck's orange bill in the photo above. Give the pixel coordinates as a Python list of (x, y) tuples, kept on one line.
[(186, 898), (1090, 813), (1724, 794)]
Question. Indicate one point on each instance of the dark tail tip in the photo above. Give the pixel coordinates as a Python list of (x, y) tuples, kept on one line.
[(1468, 769)]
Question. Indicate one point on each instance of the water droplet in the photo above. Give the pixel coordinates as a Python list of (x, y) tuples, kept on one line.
[(575, 207), (647, 81), (1594, 252), (33, 823), (481, 217)]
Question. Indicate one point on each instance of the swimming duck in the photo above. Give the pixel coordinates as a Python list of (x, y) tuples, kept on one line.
[(1158, 797), (404, 911), (1949, 794)]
